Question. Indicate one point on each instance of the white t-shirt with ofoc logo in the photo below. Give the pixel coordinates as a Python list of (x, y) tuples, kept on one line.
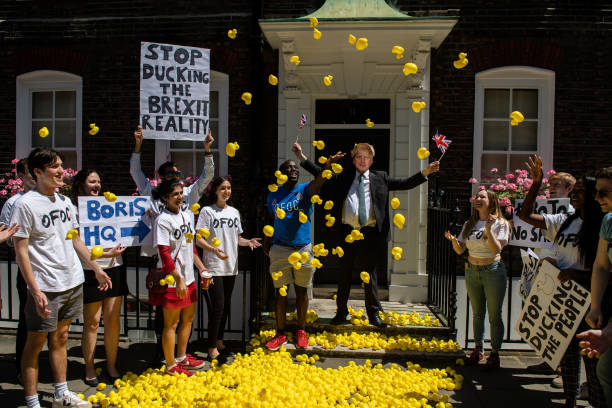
[(225, 225), (170, 229), (45, 221)]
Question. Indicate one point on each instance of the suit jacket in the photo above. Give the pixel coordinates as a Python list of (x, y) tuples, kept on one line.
[(338, 186)]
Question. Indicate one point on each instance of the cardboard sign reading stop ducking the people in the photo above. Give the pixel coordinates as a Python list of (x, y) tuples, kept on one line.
[(552, 313), (124, 221), (174, 91), (526, 235)]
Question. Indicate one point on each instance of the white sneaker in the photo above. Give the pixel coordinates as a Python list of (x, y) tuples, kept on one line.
[(70, 399)]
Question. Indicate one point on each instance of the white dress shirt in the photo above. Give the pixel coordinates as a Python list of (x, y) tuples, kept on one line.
[(350, 213)]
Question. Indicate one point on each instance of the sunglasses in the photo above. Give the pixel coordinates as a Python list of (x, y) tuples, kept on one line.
[(602, 193), (174, 174)]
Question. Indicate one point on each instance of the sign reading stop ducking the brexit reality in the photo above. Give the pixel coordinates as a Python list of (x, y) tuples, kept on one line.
[(174, 91), (525, 235), (552, 313), (124, 221)]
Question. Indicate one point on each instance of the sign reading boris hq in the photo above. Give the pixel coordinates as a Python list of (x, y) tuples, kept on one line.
[(552, 313), (526, 235), (124, 221), (174, 91)]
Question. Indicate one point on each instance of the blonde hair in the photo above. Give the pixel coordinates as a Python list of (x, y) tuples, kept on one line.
[(494, 208), (362, 146), (565, 178)]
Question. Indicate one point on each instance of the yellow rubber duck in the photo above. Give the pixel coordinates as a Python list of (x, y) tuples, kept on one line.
[(272, 80), (352, 39), (189, 237), (282, 179), (96, 252), (517, 117), (294, 257), (273, 188), (329, 204), (110, 197), (268, 230), (397, 253), (314, 22), (232, 33), (195, 208), (283, 290), (417, 106), (204, 232), (231, 148), (423, 153), (338, 251), (356, 234), (461, 62), (327, 80), (319, 144), (73, 233), (365, 277), (295, 60), (315, 199), (399, 220), (93, 129), (302, 217), (246, 97), (297, 266), (410, 68), (395, 203), (349, 238), (322, 159), (215, 242), (316, 34), (277, 275), (326, 174), (280, 213), (369, 123), (336, 168), (330, 220), (304, 257), (361, 44), (398, 51), (43, 132)]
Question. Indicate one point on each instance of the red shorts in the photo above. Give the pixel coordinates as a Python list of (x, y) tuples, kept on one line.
[(170, 300)]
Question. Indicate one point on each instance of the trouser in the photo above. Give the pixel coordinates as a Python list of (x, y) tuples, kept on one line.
[(22, 328), (218, 300), (366, 253), (570, 371), (486, 287)]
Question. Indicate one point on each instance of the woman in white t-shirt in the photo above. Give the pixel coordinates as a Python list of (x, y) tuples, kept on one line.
[(483, 236), (576, 237), (100, 303), (173, 231), (223, 222)]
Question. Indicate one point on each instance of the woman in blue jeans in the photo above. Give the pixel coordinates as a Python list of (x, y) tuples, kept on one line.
[(483, 236)]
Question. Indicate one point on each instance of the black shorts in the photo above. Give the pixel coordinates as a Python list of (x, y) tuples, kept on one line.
[(91, 293)]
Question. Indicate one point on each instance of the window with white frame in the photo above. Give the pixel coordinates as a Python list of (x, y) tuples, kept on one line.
[(189, 156), (499, 144), (51, 99)]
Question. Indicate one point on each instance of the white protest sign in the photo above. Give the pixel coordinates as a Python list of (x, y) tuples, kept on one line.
[(529, 271), (174, 91), (123, 221), (551, 314), (525, 235)]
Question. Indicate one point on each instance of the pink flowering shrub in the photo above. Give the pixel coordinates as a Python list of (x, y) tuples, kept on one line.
[(510, 187), (11, 184)]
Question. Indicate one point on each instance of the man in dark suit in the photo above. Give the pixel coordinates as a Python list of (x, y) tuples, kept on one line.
[(361, 198)]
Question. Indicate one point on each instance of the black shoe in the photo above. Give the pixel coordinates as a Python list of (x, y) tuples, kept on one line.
[(377, 321), (221, 359), (227, 352), (92, 382), (339, 318)]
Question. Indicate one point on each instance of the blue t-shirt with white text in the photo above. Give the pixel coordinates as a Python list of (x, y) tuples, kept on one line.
[(289, 230), (605, 233)]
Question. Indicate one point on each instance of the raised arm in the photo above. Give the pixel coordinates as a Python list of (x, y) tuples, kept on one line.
[(398, 183), (197, 189), (458, 247), (144, 186), (535, 169)]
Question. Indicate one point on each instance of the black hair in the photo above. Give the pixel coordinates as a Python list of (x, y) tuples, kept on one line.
[(588, 236), (22, 166), (41, 158), (165, 168), (285, 164), (211, 195), (164, 188), (78, 181)]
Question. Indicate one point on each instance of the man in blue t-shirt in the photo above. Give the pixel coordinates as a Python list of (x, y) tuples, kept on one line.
[(291, 234)]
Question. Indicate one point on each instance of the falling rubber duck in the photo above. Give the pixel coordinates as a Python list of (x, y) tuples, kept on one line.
[(338, 251), (273, 188), (329, 204), (304, 257), (43, 132), (423, 153), (322, 159), (397, 253), (215, 242), (110, 197), (369, 123), (189, 237), (461, 62), (205, 233), (283, 290), (315, 263), (418, 105), (395, 203), (302, 217), (352, 39), (295, 60), (365, 277), (314, 22), (232, 33), (349, 239), (282, 179), (336, 168), (517, 117), (96, 252), (398, 51), (277, 275), (327, 80), (93, 129), (319, 144), (399, 220), (326, 174), (195, 208), (280, 213), (246, 97), (361, 44), (272, 80), (316, 34), (268, 231), (294, 257), (315, 199), (330, 220), (73, 233), (410, 68), (356, 234), (231, 149)]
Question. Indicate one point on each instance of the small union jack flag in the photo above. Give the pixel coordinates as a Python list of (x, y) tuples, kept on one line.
[(303, 119), (442, 142)]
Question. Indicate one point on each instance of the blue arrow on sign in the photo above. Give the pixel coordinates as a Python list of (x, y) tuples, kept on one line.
[(140, 230)]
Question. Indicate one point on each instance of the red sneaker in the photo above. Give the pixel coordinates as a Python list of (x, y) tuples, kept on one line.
[(192, 363), (178, 370), (302, 339), (276, 342)]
